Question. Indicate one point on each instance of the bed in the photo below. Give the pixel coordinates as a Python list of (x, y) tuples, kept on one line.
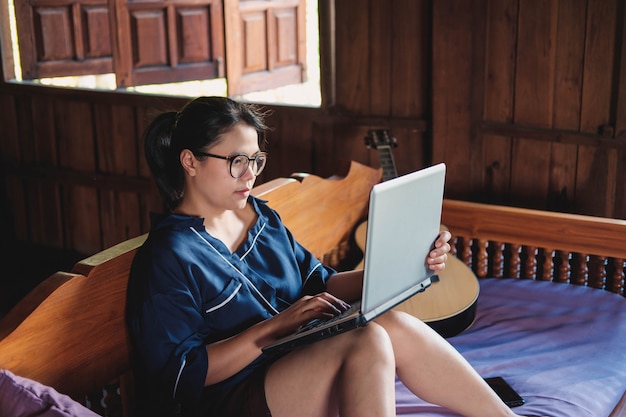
[(545, 307), (550, 315)]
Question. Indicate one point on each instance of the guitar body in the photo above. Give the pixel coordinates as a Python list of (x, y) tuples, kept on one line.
[(449, 305)]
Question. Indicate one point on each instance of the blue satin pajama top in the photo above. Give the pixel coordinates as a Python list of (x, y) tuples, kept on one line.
[(187, 290)]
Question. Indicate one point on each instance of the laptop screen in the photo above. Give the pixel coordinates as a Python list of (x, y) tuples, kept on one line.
[(403, 223)]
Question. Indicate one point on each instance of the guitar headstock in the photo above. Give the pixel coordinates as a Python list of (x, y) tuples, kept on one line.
[(380, 137), (382, 141)]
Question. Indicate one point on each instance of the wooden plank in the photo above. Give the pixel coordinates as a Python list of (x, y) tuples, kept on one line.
[(477, 91), (382, 30), (324, 156), (552, 135), (452, 59), (44, 214), (352, 57), (16, 221), (620, 118), (536, 50), (412, 153), (12, 198), (115, 139), (143, 117), (117, 154), (567, 93), (75, 135), (83, 230), (530, 173), (534, 98), (569, 64), (45, 210), (562, 178), (497, 169), (501, 39), (595, 190), (410, 66), (9, 145), (498, 96), (349, 144), (599, 55), (620, 190), (121, 217), (76, 144), (596, 168)]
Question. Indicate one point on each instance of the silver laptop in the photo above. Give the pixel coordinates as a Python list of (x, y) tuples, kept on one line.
[(403, 224)]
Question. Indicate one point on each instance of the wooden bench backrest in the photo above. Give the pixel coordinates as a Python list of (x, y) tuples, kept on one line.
[(509, 242), (76, 341)]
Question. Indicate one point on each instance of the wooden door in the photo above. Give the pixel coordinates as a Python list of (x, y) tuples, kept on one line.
[(265, 44)]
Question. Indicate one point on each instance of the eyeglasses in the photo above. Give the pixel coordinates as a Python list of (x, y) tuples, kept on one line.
[(239, 163)]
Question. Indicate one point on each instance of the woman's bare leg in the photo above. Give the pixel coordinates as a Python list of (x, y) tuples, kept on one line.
[(432, 369), (351, 374)]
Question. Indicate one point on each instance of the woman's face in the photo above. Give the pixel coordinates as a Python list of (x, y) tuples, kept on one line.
[(213, 184)]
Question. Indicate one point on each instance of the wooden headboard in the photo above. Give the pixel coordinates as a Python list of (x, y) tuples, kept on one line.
[(70, 333), (510, 242)]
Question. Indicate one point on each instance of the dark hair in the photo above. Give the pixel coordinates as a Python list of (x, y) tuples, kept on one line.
[(199, 124)]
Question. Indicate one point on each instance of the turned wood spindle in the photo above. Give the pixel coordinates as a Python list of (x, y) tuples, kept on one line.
[(515, 264), (548, 265), (530, 266), (482, 258), (497, 264)]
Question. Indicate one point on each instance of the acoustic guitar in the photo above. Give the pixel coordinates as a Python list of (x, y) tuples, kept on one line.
[(449, 305)]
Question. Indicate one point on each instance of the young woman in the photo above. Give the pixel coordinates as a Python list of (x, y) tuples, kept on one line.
[(220, 276)]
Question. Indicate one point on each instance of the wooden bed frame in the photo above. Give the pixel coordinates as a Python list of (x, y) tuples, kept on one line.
[(69, 332)]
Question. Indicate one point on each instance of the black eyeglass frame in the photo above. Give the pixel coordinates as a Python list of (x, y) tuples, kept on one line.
[(230, 159)]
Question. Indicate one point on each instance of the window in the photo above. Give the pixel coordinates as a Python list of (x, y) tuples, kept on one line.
[(264, 51)]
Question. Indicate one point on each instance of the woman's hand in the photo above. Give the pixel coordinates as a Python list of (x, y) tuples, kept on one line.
[(320, 306), (438, 256)]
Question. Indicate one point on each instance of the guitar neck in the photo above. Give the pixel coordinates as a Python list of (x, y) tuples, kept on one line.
[(387, 162)]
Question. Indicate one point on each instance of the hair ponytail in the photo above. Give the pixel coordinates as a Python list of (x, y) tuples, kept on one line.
[(163, 162)]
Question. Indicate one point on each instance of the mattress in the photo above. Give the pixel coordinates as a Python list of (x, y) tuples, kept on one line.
[(561, 347)]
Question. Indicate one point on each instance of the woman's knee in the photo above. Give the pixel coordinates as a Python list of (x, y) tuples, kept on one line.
[(405, 328), (372, 341)]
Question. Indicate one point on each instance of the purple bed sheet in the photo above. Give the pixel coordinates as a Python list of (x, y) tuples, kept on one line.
[(561, 347)]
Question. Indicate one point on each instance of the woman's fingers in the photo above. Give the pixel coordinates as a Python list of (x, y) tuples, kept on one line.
[(324, 303)]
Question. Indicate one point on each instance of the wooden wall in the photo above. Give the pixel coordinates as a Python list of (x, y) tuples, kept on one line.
[(529, 103), (524, 100)]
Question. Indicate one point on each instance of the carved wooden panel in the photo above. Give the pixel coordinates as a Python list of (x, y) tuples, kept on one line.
[(168, 41), (60, 37), (266, 44)]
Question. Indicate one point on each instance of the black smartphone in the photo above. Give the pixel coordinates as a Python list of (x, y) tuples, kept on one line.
[(505, 391)]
